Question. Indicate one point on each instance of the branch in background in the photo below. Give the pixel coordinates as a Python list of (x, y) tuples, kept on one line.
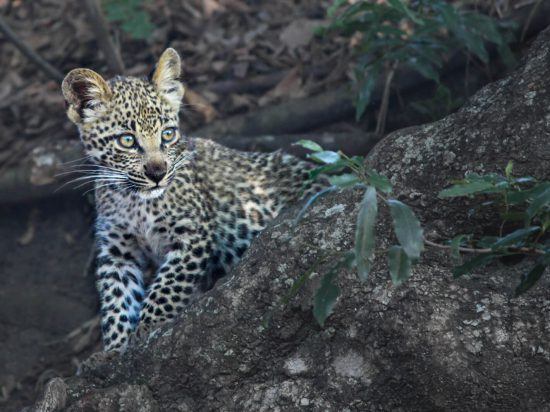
[(354, 143), (101, 30), (292, 116), (529, 19), (29, 53), (383, 111), (522, 250), (258, 83), (252, 84)]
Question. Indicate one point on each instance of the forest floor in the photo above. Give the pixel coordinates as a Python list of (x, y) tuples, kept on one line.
[(45, 295), (238, 56)]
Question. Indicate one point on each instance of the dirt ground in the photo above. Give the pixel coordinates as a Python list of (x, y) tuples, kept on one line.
[(45, 295)]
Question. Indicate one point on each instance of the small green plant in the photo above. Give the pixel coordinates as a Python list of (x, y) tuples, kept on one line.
[(416, 34), (523, 202), (131, 16)]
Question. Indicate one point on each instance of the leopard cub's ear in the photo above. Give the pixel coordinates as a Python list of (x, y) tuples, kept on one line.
[(166, 76), (87, 95)]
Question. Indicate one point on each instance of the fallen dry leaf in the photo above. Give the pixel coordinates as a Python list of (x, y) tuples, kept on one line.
[(299, 33), (211, 6), (200, 104), (239, 102), (289, 86), (236, 5), (240, 69), (28, 236)]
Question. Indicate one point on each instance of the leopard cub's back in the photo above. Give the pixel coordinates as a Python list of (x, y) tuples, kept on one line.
[(244, 191)]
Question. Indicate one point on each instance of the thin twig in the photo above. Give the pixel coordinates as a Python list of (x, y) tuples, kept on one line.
[(29, 53), (101, 30), (383, 112), (529, 20), (528, 251)]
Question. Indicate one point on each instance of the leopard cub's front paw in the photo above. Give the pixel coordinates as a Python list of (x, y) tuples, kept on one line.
[(140, 334), (96, 360)]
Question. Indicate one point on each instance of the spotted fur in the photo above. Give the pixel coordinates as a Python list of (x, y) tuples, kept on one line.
[(187, 207)]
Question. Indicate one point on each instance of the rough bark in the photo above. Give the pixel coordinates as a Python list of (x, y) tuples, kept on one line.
[(434, 343)]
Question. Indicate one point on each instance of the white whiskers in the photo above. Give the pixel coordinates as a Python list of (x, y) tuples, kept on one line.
[(99, 175)]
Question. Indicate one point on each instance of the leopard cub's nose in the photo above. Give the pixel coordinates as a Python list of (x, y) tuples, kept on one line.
[(155, 170)]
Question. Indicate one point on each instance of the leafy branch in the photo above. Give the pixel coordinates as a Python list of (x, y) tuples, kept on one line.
[(131, 16), (523, 203), (420, 35)]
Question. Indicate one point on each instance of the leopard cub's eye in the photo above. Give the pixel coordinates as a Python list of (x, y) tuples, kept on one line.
[(126, 140), (168, 134)]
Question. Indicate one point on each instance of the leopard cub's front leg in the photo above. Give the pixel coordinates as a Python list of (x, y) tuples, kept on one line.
[(179, 278), (120, 285)]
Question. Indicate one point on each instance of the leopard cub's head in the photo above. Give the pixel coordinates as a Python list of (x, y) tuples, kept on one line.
[(129, 126)]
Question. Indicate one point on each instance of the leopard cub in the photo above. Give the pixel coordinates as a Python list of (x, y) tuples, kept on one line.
[(185, 206)]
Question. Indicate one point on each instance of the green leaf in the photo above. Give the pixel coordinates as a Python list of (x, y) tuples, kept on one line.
[(328, 292), (310, 201), (138, 25), (309, 144), (380, 182), (297, 285), (331, 11), (130, 16), (476, 262), (364, 233), (407, 228), (425, 68), (465, 189), (326, 157), (528, 280), (456, 24), (515, 237), (344, 180), (402, 7), (487, 241), (455, 245), (483, 26), (476, 45), (365, 89), (540, 201), (521, 196), (332, 168), (325, 298), (508, 170), (449, 14), (507, 56), (399, 265)]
